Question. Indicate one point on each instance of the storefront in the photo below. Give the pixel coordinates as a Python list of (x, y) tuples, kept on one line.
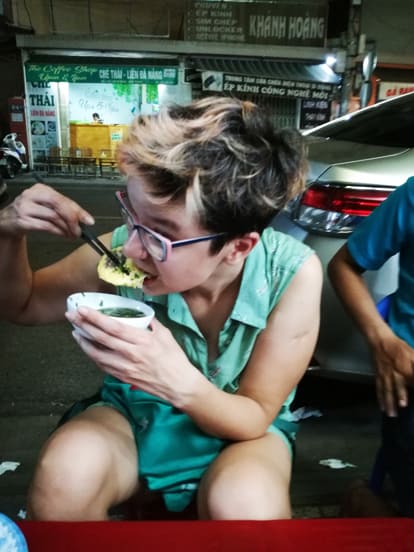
[(288, 77), (295, 93), (62, 97), (270, 53)]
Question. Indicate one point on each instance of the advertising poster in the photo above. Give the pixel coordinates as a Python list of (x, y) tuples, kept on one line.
[(115, 103), (314, 113), (42, 102)]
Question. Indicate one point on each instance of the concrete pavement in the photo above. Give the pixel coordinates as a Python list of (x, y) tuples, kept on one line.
[(42, 372)]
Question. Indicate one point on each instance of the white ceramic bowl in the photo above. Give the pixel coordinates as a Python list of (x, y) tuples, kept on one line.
[(101, 301)]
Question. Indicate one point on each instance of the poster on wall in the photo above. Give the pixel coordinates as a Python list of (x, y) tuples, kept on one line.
[(43, 121), (314, 113), (115, 103)]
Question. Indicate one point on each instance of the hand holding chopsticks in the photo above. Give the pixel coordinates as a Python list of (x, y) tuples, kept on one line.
[(90, 237)]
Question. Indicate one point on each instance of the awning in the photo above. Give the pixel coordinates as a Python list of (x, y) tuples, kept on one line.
[(286, 70), (289, 79)]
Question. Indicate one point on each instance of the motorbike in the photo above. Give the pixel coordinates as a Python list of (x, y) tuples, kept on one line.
[(12, 156)]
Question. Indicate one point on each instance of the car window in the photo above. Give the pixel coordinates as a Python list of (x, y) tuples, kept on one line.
[(385, 124)]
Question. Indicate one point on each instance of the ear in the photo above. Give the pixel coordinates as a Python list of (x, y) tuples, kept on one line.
[(240, 247)]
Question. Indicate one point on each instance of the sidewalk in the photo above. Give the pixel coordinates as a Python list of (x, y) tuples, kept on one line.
[(29, 178), (43, 372)]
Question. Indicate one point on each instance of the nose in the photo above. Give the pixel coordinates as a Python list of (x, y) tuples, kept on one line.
[(133, 247)]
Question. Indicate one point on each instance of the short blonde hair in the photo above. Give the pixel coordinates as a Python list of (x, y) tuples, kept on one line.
[(222, 153)]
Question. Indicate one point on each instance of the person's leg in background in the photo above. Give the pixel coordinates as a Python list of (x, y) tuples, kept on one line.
[(398, 445)]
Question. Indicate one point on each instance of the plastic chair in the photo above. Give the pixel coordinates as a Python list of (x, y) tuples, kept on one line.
[(107, 161), (82, 163), (58, 162)]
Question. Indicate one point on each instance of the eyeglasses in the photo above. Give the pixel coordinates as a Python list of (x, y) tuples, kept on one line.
[(157, 245)]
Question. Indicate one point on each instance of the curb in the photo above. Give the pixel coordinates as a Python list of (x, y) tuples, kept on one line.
[(29, 179)]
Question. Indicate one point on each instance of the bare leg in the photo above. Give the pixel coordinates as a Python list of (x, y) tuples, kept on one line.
[(87, 465), (249, 480)]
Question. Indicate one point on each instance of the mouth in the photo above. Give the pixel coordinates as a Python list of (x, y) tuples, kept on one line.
[(147, 275), (149, 280)]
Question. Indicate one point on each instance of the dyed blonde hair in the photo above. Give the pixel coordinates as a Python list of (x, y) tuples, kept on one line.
[(220, 155)]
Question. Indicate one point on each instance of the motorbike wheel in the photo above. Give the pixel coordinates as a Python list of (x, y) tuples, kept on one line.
[(12, 167)]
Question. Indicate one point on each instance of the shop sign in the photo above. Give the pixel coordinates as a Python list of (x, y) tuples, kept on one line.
[(80, 73), (390, 89), (281, 23), (314, 113), (41, 99), (17, 113), (269, 86)]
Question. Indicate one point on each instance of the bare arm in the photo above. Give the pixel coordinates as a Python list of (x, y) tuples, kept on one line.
[(346, 278), (391, 354), (280, 358), (29, 297)]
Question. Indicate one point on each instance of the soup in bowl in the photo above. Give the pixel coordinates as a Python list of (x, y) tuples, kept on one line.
[(126, 310)]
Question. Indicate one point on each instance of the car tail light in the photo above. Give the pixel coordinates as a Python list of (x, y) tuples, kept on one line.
[(337, 209)]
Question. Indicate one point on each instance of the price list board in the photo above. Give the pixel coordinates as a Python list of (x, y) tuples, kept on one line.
[(214, 21), (314, 113), (284, 23)]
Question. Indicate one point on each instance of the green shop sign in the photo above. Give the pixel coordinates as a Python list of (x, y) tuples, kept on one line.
[(133, 74)]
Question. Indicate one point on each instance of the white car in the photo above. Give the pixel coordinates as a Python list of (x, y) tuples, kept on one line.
[(355, 162)]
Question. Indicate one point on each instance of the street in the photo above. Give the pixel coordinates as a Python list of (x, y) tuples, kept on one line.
[(43, 372)]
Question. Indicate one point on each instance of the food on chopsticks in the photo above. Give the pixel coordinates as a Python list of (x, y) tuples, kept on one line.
[(128, 275)]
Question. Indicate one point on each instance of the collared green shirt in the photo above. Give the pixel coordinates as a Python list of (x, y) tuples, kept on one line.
[(268, 270)]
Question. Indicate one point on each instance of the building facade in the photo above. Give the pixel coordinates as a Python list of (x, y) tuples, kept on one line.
[(120, 58)]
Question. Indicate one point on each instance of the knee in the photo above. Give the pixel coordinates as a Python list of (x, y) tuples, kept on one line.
[(68, 476), (250, 494)]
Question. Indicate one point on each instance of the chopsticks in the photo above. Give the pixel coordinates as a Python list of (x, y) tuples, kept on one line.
[(98, 246)]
